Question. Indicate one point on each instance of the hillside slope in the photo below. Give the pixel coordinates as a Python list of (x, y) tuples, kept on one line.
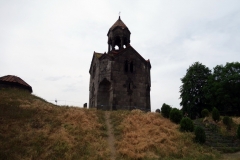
[(150, 136), (31, 128)]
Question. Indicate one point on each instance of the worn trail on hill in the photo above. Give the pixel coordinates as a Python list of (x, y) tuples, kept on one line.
[(111, 139)]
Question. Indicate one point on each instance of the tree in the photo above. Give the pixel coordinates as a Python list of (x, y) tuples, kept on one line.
[(165, 110), (192, 93), (224, 85)]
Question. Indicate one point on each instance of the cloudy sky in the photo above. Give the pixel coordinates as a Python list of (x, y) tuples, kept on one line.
[(50, 43)]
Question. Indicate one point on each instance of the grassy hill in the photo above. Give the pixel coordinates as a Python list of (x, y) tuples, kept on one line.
[(32, 128), (150, 136)]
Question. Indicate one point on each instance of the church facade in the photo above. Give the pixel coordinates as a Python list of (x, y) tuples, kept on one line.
[(120, 78)]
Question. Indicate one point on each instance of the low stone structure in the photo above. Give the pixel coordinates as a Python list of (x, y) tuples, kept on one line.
[(14, 82)]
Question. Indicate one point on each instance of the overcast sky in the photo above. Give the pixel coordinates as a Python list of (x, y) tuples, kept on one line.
[(49, 44)]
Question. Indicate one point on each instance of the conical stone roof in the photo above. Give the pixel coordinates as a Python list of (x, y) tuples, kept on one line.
[(118, 23)]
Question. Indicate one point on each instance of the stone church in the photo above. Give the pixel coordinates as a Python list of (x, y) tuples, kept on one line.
[(120, 78)]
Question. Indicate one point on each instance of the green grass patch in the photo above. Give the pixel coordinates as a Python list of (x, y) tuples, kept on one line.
[(116, 119)]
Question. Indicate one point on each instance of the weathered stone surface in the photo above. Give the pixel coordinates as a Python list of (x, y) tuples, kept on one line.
[(119, 79)]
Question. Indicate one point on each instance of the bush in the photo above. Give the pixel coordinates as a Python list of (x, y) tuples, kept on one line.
[(186, 124), (157, 111), (227, 121), (175, 115), (238, 132), (215, 114), (205, 113), (200, 136), (165, 110)]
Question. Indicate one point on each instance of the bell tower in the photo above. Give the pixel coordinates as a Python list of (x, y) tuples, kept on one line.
[(119, 79), (118, 35)]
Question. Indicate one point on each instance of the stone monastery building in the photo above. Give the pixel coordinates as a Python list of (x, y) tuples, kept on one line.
[(120, 78)]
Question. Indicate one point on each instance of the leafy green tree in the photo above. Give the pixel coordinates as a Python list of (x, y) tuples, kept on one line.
[(175, 115), (165, 110), (192, 89), (224, 86)]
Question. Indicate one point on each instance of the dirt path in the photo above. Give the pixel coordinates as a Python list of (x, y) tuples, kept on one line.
[(232, 156), (111, 139)]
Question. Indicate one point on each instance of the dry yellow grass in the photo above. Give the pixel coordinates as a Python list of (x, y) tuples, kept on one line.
[(34, 129), (150, 136), (31, 128), (236, 120)]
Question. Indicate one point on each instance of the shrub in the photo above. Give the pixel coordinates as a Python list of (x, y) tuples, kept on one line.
[(165, 110), (227, 121), (205, 113), (200, 136), (238, 132), (186, 124), (215, 114), (157, 111), (175, 115)]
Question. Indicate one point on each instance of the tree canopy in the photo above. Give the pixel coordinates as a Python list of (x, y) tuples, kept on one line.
[(224, 85), (192, 93), (202, 89)]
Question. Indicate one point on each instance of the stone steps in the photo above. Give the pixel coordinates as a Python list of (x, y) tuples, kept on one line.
[(216, 140)]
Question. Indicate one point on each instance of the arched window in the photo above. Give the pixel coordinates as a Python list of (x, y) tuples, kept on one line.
[(126, 66), (129, 86), (131, 66)]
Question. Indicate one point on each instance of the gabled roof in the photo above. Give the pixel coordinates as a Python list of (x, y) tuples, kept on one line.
[(95, 55), (14, 80), (114, 53), (98, 55), (119, 52)]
